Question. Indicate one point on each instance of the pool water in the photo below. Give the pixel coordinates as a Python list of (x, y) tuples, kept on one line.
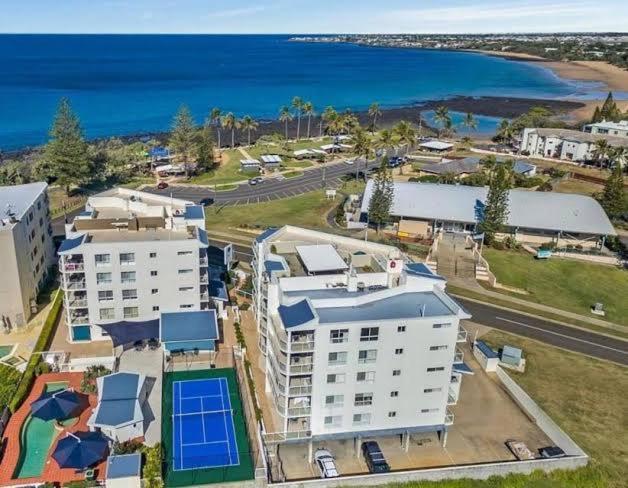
[(6, 350), (36, 438)]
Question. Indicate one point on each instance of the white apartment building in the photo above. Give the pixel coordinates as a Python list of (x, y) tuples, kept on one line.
[(131, 255), (26, 248), (570, 145), (358, 341), (619, 129)]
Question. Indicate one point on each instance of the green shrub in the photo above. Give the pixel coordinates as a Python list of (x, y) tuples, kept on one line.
[(9, 378), (42, 344), (88, 383), (127, 447), (152, 467)]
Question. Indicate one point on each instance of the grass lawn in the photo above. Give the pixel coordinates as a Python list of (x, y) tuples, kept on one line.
[(227, 172), (564, 284), (292, 174), (307, 210), (577, 186)]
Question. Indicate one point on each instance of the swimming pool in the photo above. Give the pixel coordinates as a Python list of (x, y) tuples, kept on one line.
[(6, 350), (35, 440)]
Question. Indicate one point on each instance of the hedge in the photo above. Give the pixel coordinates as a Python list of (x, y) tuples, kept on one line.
[(42, 344)]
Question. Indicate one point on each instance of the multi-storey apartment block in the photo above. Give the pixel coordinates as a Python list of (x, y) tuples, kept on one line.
[(357, 340), (131, 255), (26, 248)]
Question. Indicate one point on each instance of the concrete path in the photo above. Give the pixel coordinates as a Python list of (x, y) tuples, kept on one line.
[(454, 260)]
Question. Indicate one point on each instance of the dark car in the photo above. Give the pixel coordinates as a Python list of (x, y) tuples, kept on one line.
[(256, 180), (162, 185), (374, 457), (206, 202), (552, 452), (395, 161)]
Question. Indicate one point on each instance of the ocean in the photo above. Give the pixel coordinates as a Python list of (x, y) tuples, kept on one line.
[(129, 84)]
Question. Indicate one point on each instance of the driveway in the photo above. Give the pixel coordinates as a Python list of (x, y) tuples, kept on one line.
[(149, 363)]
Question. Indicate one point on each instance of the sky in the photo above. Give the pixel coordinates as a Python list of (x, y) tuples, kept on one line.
[(307, 16)]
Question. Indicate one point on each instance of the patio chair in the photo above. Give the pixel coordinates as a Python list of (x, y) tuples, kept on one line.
[(139, 345)]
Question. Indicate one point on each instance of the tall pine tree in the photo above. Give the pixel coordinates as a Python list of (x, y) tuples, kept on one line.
[(496, 208), (66, 154), (382, 197), (183, 136), (613, 198)]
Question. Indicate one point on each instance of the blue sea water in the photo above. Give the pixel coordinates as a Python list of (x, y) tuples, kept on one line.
[(135, 83), (486, 126)]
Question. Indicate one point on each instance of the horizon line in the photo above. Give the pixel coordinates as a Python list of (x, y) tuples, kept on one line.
[(311, 33)]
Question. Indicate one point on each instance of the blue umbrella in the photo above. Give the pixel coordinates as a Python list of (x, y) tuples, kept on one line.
[(81, 450), (60, 405)]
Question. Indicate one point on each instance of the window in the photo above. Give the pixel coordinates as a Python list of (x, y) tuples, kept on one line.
[(337, 358), (103, 278), (129, 294), (401, 328), (363, 399), (429, 410), (154, 291), (155, 308), (369, 334), (185, 271), (334, 400), (105, 295), (367, 356), (361, 418), (396, 372), (186, 288), (152, 255), (440, 326), (438, 368), (127, 258), (186, 305), (339, 336), (432, 390), (127, 277), (153, 273), (107, 314), (365, 377), (399, 351), (184, 253), (130, 312), (392, 414), (394, 394), (333, 421), (438, 348), (337, 378)]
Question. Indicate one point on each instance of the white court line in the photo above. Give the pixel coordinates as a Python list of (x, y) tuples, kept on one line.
[(563, 335), (224, 419), (180, 430), (200, 396), (201, 413), (204, 443), (233, 427)]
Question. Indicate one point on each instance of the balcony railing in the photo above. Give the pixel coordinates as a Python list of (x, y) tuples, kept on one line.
[(74, 285), (78, 318), (274, 437), (301, 368), (462, 334), (300, 390), (205, 297), (77, 303), (449, 418), (454, 379), (72, 267), (204, 278), (299, 411), (458, 356), (452, 399)]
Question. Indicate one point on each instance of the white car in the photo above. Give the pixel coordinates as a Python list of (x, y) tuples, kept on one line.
[(326, 464), (349, 161)]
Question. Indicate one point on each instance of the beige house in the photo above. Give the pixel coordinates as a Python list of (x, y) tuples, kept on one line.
[(26, 248)]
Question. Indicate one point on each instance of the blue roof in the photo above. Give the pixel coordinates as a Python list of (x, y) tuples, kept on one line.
[(406, 305), (116, 412), (486, 350), (119, 386), (522, 167), (266, 234), (195, 212), (159, 152), (124, 466), (271, 266), (422, 269), (296, 314), (118, 399), (189, 326), (462, 368), (202, 237), (218, 290), (69, 244)]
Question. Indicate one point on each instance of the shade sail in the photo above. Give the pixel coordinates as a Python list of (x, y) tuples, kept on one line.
[(123, 333)]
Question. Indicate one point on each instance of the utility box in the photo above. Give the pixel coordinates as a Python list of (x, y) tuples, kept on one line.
[(487, 358)]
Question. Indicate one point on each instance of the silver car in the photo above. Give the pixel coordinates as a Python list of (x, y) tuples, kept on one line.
[(326, 464)]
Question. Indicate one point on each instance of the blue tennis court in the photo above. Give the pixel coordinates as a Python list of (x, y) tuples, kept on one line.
[(204, 432)]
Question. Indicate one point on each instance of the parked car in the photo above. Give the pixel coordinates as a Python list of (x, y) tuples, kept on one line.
[(520, 450), (326, 463), (256, 180), (206, 202), (374, 457), (162, 185), (395, 161), (349, 161), (552, 452)]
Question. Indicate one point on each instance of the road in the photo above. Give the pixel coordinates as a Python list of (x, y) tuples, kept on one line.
[(569, 338)]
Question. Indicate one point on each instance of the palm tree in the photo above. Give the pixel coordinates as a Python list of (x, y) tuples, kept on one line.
[(328, 116), (619, 155), (362, 146), (470, 122), (450, 128), (349, 122), (505, 131), (405, 134), (385, 139), (214, 117), (308, 110), (297, 104), (229, 122), (442, 117), (601, 151), (285, 116), (248, 124), (374, 112)]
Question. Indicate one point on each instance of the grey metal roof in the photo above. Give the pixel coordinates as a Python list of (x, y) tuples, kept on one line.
[(528, 209), (194, 212), (124, 466), (486, 349), (19, 198), (118, 402), (462, 368), (579, 136), (297, 314), (403, 306), (457, 167), (199, 325), (321, 257), (118, 412), (68, 244), (266, 234), (119, 386)]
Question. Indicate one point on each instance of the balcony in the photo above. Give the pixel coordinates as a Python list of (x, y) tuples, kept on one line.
[(203, 261), (204, 297), (74, 285), (301, 368), (449, 418), (452, 398), (275, 437), (299, 411), (72, 267), (204, 278), (455, 379), (78, 318), (462, 334), (77, 303), (458, 356)]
